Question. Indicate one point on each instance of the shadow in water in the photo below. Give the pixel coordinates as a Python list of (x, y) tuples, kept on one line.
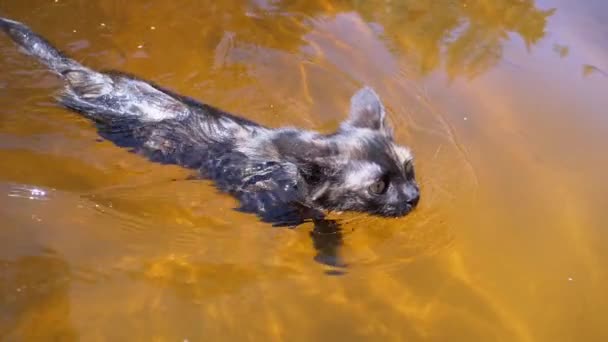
[(327, 240), (34, 299)]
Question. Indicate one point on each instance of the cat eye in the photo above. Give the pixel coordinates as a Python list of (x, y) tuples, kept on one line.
[(378, 187), (408, 166)]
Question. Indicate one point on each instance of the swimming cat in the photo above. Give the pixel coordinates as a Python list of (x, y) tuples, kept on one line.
[(284, 175)]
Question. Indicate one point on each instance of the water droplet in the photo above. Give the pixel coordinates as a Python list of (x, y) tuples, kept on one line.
[(38, 192)]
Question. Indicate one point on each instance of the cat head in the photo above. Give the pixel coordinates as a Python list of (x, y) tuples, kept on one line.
[(367, 171)]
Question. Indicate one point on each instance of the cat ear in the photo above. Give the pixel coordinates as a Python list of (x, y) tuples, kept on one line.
[(367, 111)]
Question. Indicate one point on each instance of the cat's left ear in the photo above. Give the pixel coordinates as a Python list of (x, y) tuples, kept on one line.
[(367, 111)]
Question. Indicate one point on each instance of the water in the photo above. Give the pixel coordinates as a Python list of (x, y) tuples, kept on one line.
[(503, 102)]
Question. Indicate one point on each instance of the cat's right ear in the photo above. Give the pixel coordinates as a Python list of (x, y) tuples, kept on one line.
[(367, 111)]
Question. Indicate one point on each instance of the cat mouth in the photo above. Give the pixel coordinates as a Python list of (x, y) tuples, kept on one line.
[(408, 209), (399, 211)]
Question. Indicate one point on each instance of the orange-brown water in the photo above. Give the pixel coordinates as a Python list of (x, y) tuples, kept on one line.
[(503, 102)]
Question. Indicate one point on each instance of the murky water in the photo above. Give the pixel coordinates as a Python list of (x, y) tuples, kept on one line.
[(503, 102)]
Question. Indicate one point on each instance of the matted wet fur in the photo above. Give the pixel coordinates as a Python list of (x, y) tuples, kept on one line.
[(284, 175)]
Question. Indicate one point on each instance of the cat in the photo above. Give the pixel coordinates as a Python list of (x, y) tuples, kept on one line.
[(284, 175)]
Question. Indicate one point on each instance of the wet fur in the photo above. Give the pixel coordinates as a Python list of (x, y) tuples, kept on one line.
[(284, 175)]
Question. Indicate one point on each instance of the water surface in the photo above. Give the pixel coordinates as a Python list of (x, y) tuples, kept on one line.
[(503, 103)]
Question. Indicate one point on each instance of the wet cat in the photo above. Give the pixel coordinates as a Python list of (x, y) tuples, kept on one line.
[(284, 175)]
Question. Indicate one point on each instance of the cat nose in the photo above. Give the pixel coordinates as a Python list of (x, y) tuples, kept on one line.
[(414, 200), (413, 197)]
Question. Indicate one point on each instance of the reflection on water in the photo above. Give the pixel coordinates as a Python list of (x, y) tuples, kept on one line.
[(464, 37), (502, 101), (589, 69)]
